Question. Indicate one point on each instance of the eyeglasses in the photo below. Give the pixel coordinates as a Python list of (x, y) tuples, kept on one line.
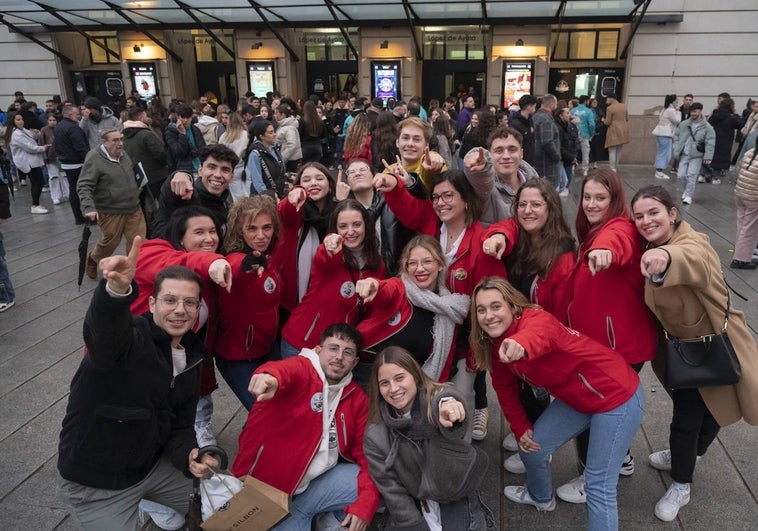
[(426, 264), (535, 205), (445, 197), (334, 350), (171, 302), (355, 171)]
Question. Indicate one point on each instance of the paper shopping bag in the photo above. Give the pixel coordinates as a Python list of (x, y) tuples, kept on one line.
[(257, 507)]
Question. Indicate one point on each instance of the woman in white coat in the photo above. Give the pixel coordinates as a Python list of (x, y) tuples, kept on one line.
[(29, 158), (664, 134)]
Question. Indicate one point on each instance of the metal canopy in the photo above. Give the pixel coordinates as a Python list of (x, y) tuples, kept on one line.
[(98, 15)]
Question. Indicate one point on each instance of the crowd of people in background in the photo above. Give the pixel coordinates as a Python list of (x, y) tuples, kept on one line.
[(334, 246)]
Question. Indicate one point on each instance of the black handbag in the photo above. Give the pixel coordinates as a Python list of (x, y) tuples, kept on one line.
[(702, 361), (700, 146)]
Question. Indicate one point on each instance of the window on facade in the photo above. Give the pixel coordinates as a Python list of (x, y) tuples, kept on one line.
[(453, 46), (98, 56), (586, 45), (208, 50), (329, 46)]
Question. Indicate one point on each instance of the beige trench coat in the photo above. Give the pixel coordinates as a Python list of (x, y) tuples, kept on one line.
[(690, 303), (617, 120)]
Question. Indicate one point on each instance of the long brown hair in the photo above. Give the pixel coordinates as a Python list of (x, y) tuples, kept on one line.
[(618, 208), (555, 237), (479, 341), (403, 359), (357, 133), (313, 125)]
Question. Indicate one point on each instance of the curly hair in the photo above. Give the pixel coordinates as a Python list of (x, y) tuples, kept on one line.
[(357, 134), (246, 209)]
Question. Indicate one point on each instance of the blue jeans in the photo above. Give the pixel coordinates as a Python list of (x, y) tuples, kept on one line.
[(329, 492), (237, 374), (611, 434), (688, 171), (287, 350), (7, 294), (663, 157)]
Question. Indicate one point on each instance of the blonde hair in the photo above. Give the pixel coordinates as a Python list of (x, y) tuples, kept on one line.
[(480, 342)]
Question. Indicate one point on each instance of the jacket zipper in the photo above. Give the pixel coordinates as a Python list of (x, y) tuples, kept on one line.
[(588, 386), (313, 325), (609, 332), (249, 338), (255, 461), (344, 428), (187, 368)]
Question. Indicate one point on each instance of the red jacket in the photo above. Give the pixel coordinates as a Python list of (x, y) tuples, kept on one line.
[(282, 435), (156, 254), (610, 306), (248, 317), (292, 223), (575, 369), (470, 264), (388, 313), (555, 291), (330, 299)]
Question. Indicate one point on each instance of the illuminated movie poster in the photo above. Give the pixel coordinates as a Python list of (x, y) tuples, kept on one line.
[(260, 77), (386, 80), (518, 78), (144, 80)]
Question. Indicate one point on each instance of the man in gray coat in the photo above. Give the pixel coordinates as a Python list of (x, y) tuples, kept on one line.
[(547, 141), (110, 194), (95, 119)]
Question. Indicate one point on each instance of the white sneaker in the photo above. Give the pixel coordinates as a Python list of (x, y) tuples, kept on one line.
[(520, 494), (564, 193), (687, 200), (39, 209), (755, 254), (205, 435), (514, 465), (627, 467), (6, 306), (675, 498), (573, 491), (56, 201), (661, 175), (662, 460), (700, 179), (22, 183), (509, 443), (479, 425), (716, 181)]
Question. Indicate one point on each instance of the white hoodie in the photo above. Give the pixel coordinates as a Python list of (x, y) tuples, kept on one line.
[(328, 451)]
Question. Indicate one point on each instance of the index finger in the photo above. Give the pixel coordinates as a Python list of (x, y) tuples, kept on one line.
[(134, 251)]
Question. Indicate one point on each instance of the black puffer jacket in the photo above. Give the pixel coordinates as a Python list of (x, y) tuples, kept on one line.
[(126, 408)]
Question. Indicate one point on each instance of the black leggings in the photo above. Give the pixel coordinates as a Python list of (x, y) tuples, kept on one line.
[(37, 180)]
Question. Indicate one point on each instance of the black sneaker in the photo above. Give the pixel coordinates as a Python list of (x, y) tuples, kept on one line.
[(739, 264)]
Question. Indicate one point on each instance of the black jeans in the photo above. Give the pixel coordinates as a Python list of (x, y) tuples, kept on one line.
[(73, 196), (37, 180), (693, 429)]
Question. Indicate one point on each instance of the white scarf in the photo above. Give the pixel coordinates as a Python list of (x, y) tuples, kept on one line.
[(449, 309)]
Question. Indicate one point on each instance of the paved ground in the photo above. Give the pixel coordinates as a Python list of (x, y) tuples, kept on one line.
[(41, 344)]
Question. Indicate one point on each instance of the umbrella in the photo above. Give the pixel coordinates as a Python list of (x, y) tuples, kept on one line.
[(83, 245), (195, 513)]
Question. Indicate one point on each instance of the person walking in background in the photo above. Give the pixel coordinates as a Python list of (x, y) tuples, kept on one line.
[(586, 128), (288, 136), (29, 158), (95, 119), (521, 121), (58, 185), (746, 197), (71, 148), (664, 135), (110, 196), (143, 146), (184, 141), (7, 294), (547, 142), (617, 120), (686, 290), (692, 135), (725, 122)]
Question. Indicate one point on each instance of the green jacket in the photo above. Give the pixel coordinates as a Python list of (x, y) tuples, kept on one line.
[(106, 186), (703, 133)]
